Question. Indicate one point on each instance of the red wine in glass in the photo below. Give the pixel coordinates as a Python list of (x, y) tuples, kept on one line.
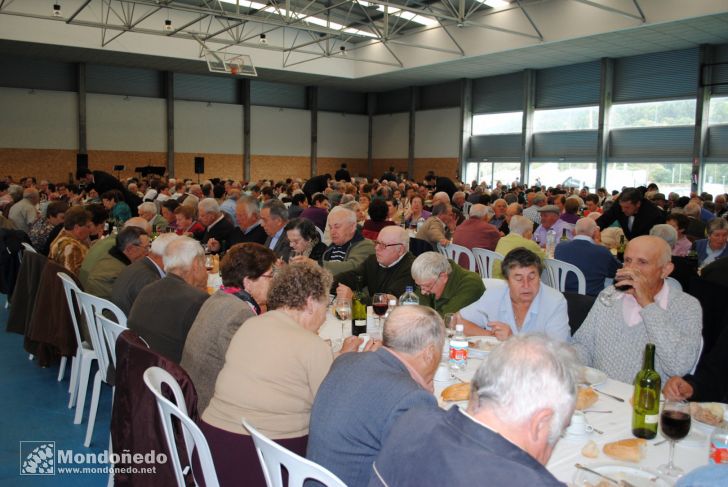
[(621, 287), (380, 308), (675, 424)]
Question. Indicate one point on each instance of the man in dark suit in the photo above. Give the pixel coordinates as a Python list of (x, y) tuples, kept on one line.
[(317, 184), (441, 183), (342, 174), (364, 394), (140, 273), (249, 227), (595, 261), (389, 175), (716, 272), (164, 311), (635, 214), (489, 439), (274, 217), (104, 182), (217, 227)]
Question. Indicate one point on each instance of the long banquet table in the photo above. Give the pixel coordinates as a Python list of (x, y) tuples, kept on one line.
[(615, 425)]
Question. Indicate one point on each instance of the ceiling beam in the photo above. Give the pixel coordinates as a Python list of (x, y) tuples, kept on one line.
[(78, 11), (641, 17)]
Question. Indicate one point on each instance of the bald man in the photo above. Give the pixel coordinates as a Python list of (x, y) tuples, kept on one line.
[(614, 334)]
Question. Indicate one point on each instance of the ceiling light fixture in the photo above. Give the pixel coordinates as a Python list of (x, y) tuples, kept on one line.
[(342, 50), (263, 39), (495, 3), (168, 25), (57, 10)]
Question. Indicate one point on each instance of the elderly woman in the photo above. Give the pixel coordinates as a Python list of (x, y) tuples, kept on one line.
[(304, 239), (415, 212), (246, 270), (186, 223), (273, 369), (167, 208), (522, 304), (119, 211), (680, 223), (714, 247)]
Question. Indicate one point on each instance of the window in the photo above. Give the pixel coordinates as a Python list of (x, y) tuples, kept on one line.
[(560, 119), (670, 177), (715, 178), (653, 114), (572, 174), (718, 110), (493, 172), (498, 123)]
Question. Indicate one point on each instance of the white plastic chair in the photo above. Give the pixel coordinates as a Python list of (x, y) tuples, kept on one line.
[(321, 233), (194, 440), (111, 331), (454, 251), (485, 259), (28, 247), (272, 456), (92, 306), (558, 270), (466, 209), (85, 354)]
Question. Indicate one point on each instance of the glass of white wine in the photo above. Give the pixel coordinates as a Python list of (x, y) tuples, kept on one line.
[(342, 312)]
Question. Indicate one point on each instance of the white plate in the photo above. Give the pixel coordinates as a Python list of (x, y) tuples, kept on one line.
[(485, 345), (593, 377), (637, 476), (696, 438)]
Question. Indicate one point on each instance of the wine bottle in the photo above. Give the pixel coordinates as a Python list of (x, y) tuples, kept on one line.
[(620, 249), (564, 236), (358, 310), (646, 398)]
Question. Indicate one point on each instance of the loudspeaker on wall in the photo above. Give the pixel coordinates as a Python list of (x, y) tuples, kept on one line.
[(199, 165)]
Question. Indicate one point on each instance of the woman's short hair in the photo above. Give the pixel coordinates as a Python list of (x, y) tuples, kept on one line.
[(171, 205), (680, 219), (295, 283), (717, 224), (186, 211), (665, 232), (113, 194), (520, 225), (250, 260), (77, 215), (378, 210), (520, 257), (305, 227), (55, 208)]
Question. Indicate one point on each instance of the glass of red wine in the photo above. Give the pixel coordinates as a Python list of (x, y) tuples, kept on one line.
[(380, 304), (675, 425), (614, 292)]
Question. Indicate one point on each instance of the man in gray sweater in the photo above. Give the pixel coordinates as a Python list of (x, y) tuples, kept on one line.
[(614, 334)]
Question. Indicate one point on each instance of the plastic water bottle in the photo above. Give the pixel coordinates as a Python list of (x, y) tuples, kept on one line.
[(458, 348), (420, 222), (550, 243), (719, 443), (409, 297), (390, 307)]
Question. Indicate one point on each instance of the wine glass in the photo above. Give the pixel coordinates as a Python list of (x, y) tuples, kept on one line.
[(614, 292), (342, 311), (675, 425), (380, 304)]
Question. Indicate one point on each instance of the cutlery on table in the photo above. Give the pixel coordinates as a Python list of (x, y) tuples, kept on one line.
[(596, 411), (610, 395), (622, 483)]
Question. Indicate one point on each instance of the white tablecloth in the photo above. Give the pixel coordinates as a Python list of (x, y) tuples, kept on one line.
[(615, 425)]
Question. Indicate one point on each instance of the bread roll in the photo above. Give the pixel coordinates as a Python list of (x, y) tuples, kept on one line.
[(590, 450), (629, 450), (457, 392), (585, 398)]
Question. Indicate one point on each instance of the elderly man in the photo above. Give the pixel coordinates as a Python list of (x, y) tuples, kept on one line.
[(274, 217), (539, 201), (499, 208), (164, 310), (247, 216), (512, 210), (70, 247), (131, 245), (24, 212), (504, 437), (348, 249), (635, 214), (476, 232), (144, 271), (438, 228), (614, 334), (364, 393), (444, 285), (521, 231), (522, 304), (387, 271), (594, 260), (217, 227), (550, 221), (228, 206), (148, 211)]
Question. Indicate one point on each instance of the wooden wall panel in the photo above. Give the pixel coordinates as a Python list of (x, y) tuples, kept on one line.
[(216, 166), (105, 160), (279, 167), (357, 167), (51, 164), (443, 166)]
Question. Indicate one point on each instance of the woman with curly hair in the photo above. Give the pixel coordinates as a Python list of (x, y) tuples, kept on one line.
[(273, 368)]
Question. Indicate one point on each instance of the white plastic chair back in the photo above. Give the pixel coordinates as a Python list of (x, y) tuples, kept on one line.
[(72, 291), (29, 248), (700, 352), (110, 332), (320, 233), (272, 456), (194, 440), (466, 209), (454, 251), (485, 259), (558, 271), (673, 283), (93, 306)]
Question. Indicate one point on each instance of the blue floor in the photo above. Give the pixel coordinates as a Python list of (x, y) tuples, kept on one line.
[(33, 408)]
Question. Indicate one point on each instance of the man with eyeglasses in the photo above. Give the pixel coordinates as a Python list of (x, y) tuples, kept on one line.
[(132, 244), (387, 271), (443, 285)]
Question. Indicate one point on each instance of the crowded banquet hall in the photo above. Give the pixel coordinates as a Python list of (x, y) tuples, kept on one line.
[(364, 243)]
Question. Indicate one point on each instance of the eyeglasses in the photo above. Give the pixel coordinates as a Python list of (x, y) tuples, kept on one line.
[(427, 288), (270, 275), (145, 247), (383, 245)]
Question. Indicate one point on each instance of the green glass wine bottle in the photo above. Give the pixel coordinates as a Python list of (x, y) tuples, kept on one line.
[(646, 398), (358, 310)]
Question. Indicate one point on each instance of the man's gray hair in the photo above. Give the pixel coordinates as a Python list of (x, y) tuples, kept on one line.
[(665, 232), (209, 205), (250, 204), (692, 209), (440, 209), (585, 226), (277, 209), (159, 245), (349, 214), (479, 211), (525, 374), (717, 224), (401, 234), (520, 225), (539, 198), (147, 207), (429, 265), (410, 329), (181, 253)]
